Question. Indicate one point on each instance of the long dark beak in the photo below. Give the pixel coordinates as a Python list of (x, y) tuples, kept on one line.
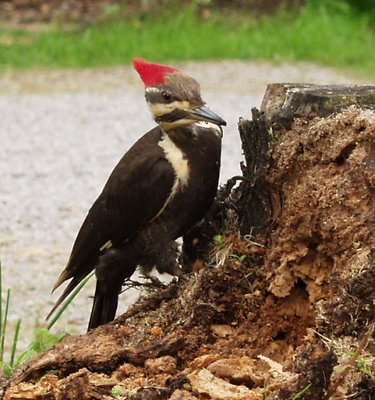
[(205, 114)]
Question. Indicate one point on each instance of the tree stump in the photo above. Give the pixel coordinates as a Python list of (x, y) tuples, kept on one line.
[(283, 102), (277, 304)]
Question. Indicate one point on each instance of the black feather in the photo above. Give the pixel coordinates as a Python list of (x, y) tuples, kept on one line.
[(135, 219)]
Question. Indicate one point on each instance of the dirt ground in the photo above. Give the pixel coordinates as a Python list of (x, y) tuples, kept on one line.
[(286, 315)]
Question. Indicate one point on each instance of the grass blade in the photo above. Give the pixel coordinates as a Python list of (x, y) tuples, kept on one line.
[(4, 326), (69, 300), (1, 307), (14, 344), (302, 392)]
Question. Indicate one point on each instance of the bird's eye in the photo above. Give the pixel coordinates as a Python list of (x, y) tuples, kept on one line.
[(166, 96)]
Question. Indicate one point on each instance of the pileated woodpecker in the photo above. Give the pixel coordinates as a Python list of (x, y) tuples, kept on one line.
[(160, 188)]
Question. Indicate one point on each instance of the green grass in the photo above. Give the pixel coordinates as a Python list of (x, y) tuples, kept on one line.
[(43, 338), (335, 35)]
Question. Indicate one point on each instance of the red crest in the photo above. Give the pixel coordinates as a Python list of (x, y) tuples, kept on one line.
[(150, 73)]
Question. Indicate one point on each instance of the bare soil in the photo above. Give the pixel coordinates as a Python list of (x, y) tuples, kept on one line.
[(287, 314)]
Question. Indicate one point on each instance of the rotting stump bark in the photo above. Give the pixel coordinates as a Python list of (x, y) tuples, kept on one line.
[(275, 307)]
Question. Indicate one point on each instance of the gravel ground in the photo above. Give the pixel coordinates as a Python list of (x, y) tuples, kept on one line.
[(61, 134)]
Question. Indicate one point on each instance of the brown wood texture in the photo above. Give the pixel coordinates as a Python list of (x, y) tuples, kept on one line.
[(284, 101)]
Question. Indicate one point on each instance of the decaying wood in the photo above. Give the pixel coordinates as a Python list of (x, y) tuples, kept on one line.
[(266, 314), (256, 202), (79, 354), (283, 102)]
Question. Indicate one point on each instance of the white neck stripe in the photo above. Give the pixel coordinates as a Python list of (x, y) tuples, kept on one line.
[(177, 159)]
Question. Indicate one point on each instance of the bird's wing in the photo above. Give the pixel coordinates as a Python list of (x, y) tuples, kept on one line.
[(135, 192)]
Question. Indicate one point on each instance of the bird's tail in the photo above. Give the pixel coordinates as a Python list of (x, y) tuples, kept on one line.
[(105, 305), (71, 286)]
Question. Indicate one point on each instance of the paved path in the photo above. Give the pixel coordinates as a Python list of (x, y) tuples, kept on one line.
[(62, 132)]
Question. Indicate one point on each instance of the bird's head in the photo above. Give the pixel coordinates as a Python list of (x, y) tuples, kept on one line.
[(173, 97)]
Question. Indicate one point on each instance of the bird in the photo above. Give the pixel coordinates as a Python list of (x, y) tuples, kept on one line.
[(163, 185)]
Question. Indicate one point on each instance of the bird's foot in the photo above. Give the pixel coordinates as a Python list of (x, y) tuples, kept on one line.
[(150, 283), (153, 282)]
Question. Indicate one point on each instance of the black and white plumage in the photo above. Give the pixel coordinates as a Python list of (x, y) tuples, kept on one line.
[(160, 188)]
